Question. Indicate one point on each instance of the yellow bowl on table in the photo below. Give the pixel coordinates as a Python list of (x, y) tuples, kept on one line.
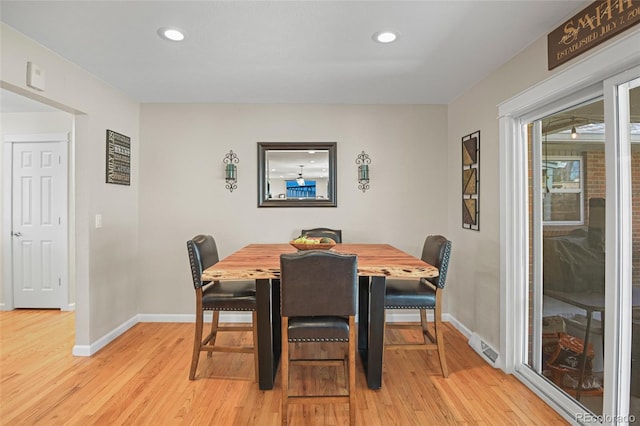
[(313, 246)]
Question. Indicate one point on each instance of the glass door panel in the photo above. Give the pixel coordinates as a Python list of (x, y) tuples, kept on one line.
[(567, 262)]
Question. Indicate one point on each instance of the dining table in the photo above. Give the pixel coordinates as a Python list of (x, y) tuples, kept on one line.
[(376, 262)]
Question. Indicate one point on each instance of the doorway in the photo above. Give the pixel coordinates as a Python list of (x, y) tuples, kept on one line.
[(48, 132), (39, 218)]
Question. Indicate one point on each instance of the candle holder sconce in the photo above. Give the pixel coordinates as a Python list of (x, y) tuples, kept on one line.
[(231, 170), (363, 162)]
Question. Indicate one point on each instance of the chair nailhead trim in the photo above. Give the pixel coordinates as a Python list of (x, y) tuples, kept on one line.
[(228, 309), (318, 340), (444, 265)]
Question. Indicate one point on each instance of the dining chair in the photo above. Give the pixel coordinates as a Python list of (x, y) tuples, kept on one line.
[(422, 294), (334, 234), (218, 296), (318, 291)]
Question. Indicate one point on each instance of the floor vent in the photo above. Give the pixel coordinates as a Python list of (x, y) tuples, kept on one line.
[(484, 349)]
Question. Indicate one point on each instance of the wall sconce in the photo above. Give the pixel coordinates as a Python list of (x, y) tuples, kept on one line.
[(363, 162), (231, 170)]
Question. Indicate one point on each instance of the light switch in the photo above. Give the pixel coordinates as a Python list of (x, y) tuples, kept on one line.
[(98, 221)]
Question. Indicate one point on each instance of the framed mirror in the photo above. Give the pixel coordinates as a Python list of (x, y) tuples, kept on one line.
[(297, 174)]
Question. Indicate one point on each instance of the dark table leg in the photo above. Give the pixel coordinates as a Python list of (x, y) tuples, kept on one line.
[(373, 330), (363, 319), (268, 312)]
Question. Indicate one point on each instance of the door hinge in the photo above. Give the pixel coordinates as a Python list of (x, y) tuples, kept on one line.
[(59, 282)]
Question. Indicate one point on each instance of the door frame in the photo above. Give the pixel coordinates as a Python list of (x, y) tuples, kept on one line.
[(618, 331), (7, 199), (574, 81)]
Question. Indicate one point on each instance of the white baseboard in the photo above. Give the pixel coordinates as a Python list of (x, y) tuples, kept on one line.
[(166, 317), (69, 307), (6, 306), (457, 325), (401, 315), (224, 317), (235, 317), (392, 316), (88, 350)]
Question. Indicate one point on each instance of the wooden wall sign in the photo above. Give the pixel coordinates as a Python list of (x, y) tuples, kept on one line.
[(471, 181), (118, 158), (596, 23)]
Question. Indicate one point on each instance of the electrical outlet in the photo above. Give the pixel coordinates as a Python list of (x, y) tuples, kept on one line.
[(98, 221)]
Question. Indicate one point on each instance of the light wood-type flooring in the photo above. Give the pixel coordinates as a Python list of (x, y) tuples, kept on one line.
[(142, 379)]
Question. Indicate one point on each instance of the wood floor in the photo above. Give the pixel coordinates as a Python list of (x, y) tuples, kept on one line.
[(142, 379)]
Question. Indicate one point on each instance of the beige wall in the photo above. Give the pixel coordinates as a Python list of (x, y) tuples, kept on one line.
[(182, 184), (35, 122), (473, 297), (106, 259)]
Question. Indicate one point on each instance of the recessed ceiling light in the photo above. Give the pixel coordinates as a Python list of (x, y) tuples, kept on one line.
[(385, 36), (172, 34)]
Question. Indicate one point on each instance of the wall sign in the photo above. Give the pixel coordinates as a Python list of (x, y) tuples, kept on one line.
[(471, 181), (118, 158), (594, 24)]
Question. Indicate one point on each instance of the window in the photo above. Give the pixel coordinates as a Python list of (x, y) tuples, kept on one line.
[(563, 197)]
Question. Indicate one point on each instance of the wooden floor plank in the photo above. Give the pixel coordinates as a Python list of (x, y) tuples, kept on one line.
[(142, 378)]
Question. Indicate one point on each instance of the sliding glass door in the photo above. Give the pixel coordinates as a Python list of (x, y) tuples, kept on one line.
[(567, 223), (622, 94), (583, 287)]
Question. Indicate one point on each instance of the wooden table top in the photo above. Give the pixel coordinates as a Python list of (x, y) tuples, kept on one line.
[(262, 261)]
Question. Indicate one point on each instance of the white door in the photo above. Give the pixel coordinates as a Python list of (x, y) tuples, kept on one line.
[(39, 224)]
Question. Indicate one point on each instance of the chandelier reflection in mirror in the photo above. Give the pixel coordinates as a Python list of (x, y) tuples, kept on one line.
[(300, 179), (363, 162), (231, 170)]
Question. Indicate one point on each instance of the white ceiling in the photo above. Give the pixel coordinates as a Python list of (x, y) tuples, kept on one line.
[(289, 51)]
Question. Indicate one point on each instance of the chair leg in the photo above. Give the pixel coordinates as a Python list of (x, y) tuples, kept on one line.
[(285, 368), (215, 321), (254, 325), (439, 338), (197, 339), (352, 370), (424, 323)]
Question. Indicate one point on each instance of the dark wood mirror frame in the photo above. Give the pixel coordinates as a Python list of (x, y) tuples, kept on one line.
[(263, 185)]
